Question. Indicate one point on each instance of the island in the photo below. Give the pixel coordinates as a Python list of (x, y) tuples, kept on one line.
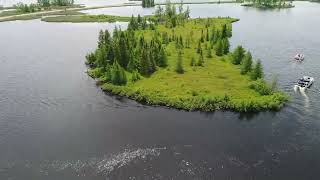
[(268, 4), (172, 60)]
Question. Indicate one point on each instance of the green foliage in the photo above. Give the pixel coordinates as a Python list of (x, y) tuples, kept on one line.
[(201, 59), (257, 72), (247, 63), (179, 66), (238, 55), (118, 75), (261, 87)]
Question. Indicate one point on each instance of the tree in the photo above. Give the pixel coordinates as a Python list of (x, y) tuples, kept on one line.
[(226, 45), (219, 48), (101, 38), (163, 61), (179, 66), (209, 54), (201, 59), (238, 55), (247, 63), (118, 75), (257, 72), (193, 62)]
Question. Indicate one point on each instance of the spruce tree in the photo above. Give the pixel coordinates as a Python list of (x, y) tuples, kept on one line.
[(207, 35), (209, 54), (201, 59), (257, 72), (163, 61), (179, 66), (226, 45), (247, 63), (238, 55), (193, 62), (219, 48), (118, 75), (101, 38)]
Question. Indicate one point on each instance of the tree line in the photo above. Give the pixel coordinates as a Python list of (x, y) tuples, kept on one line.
[(268, 3), (148, 3)]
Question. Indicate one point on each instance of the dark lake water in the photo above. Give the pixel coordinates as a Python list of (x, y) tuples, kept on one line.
[(56, 124)]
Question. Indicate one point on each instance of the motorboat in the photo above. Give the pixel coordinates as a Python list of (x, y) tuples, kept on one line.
[(305, 81), (299, 57)]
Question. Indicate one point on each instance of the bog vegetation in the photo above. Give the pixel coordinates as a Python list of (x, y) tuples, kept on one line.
[(172, 60)]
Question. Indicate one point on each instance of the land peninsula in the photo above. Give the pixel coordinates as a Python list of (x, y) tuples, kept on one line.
[(172, 60)]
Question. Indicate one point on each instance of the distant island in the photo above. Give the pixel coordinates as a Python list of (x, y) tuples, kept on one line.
[(171, 60), (268, 4)]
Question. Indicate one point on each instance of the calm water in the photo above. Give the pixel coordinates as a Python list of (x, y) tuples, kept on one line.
[(56, 124)]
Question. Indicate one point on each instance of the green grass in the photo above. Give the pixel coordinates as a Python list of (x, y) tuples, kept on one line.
[(86, 18), (216, 85)]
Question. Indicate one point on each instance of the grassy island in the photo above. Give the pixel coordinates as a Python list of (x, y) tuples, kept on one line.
[(269, 4), (184, 63), (85, 18)]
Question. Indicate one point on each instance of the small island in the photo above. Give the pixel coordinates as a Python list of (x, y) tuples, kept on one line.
[(174, 61), (269, 4)]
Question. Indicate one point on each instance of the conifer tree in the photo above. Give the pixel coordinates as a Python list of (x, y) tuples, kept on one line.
[(219, 48), (118, 75), (201, 59), (193, 62), (238, 55), (257, 71), (163, 61), (101, 38), (247, 63), (209, 54), (179, 66), (226, 45)]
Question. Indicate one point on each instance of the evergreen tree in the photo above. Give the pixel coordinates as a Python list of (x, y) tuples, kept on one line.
[(257, 71), (118, 75), (238, 55), (199, 47), (201, 59), (226, 45), (179, 66), (219, 48), (101, 40), (163, 61), (247, 63), (193, 62), (209, 54), (207, 35), (224, 33)]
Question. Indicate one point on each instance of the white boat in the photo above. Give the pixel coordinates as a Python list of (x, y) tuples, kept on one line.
[(299, 57), (305, 82)]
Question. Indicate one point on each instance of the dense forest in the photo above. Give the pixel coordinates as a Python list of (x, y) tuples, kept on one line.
[(129, 51)]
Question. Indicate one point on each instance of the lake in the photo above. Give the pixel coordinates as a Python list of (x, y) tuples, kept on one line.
[(55, 123)]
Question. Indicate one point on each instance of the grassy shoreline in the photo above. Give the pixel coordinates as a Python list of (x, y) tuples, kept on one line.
[(216, 85)]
